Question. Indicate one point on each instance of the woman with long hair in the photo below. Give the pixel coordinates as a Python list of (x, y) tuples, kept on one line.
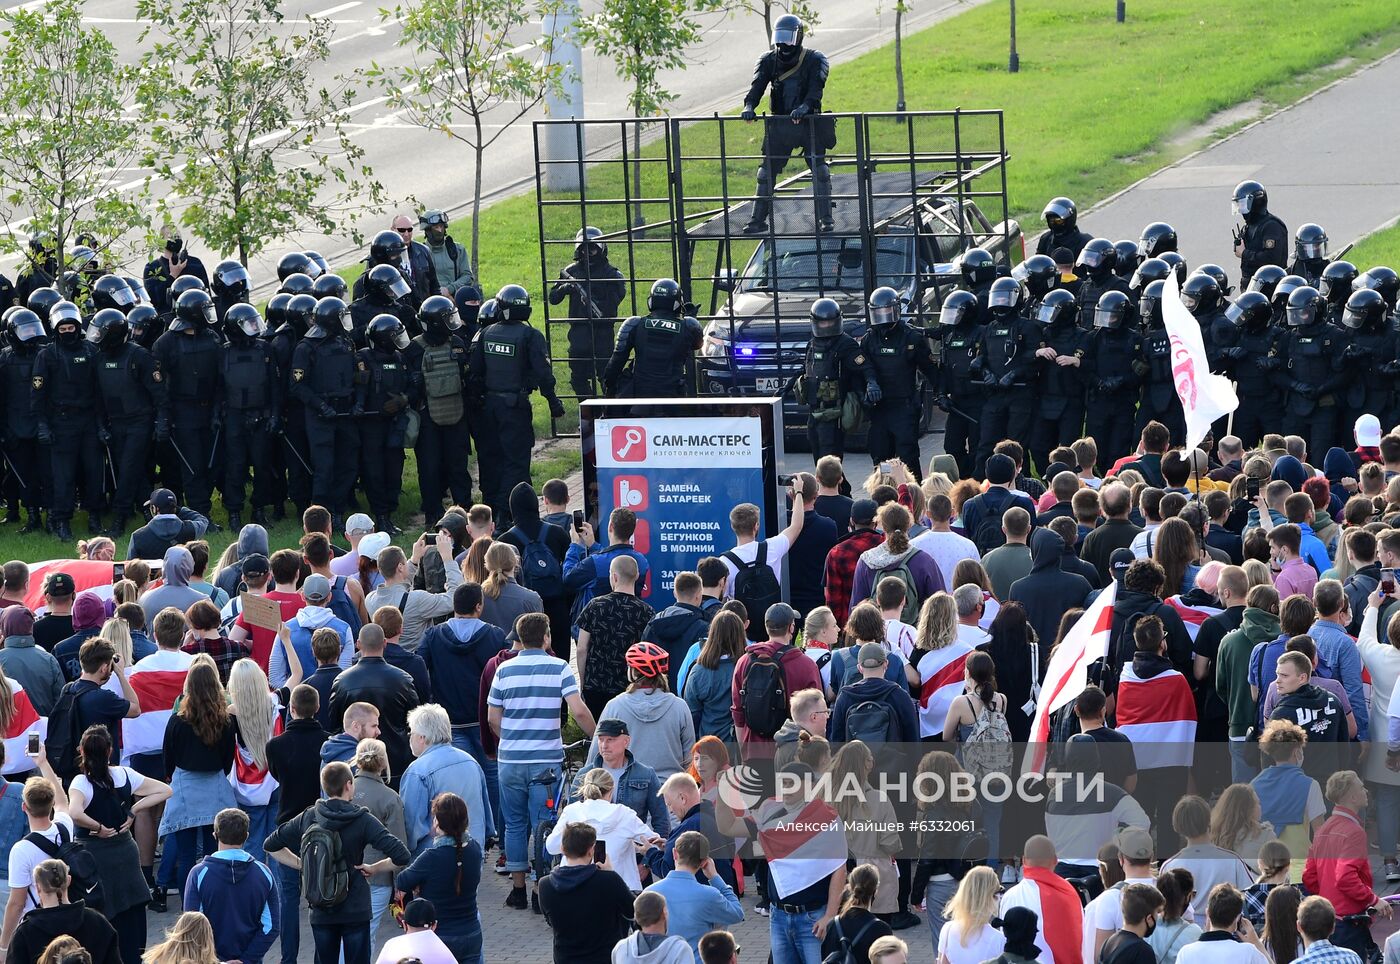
[(372, 791), (936, 877), (255, 721), (708, 759), (895, 553), (648, 703), (865, 625), (1280, 935), (938, 624), (190, 940), (615, 823), (1274, 863), (857, 922), (871, 825), (1173, 931), (474, 563), (1020, 662), (505, 600), (102, 801), (969, 572), (448, 874), (1237, 823), (709, 684), (969, 937), (1176, 550), (118, 633), (198, 750)]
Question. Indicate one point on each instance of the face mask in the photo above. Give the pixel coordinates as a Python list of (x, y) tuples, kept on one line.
[(69, 338)]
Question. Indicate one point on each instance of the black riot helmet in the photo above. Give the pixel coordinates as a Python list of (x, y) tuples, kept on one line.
[(1060, 213), (1365, 309), (1285, 288), (1128, 258), (297, 284), (108, 329), (666, 298), (277, 310), (1310, 243), (826, 318), (978, 267), (298, 312), (295, 262), (1250, 201), (229, 281), (109, 291), (1251, 311), (1177, 263), (1039, 274), (143, 321), (1266, 279), (513, 302), (1112, 310), (387, 282), (1150, 305), (194, 310), (1337, 281), (1005, 297), (1201, 294), (41, 302), (438, 316), (1305, 306), (1157, 238), (489, 313), (243, 324), (958, 307), (1221, 278), (186, 282), (1057, 308), (1152, 269), (331, 286), (386, 248), (138, 288), (588, 245), (787, 39), (330, 319), (884, 306), (387, 333), (320, 262), (1099, 256), (1379, 278), (26, 328), (62, 315)]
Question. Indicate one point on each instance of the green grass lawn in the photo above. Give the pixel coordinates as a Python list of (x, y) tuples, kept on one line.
[(1381, 247)]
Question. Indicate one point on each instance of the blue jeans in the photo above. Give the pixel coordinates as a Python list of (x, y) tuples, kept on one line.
[(525, 792), (791, 939), (379, 897), (1387, 816), (468, 738), (936, 898), (181, 851), (261, 822), (1240, 770), (331, 939), (466, 947), (289, 893)]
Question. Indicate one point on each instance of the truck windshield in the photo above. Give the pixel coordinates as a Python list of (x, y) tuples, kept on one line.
[(798, 266)]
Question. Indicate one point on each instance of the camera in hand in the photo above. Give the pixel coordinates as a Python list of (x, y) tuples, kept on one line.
[(600, 852), (1387, 585), (1251, 488), (786, 479)]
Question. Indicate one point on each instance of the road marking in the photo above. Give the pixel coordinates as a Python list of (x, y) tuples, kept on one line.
[(332, 11)]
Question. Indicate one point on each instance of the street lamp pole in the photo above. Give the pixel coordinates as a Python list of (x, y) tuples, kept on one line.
[(1122, 11), (1015, 63)]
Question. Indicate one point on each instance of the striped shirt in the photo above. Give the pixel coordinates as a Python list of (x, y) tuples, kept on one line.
[(528, 689)]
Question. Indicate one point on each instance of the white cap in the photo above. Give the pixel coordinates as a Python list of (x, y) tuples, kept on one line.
[(359, 522), (1368, 431), (374, 543)]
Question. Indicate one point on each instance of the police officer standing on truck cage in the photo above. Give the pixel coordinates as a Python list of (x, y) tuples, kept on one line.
[(595, 289), (252, 406), (324, 373), (1264, 239), (663, 341), (437, 361), (834, 359), (133, 392), (795, 77), (897, 353), (67, 415)]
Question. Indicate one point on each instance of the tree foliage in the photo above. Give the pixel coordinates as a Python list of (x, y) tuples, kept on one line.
[(771, 10)]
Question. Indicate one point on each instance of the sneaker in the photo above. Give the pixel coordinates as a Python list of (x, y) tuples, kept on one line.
[(535, 903), (517, 900), (903, 920), (1009, 875), (501, 865), (1392, 870), (761, 909), (158, 905)]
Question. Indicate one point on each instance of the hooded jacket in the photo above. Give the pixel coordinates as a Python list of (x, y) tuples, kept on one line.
[(1337, 649), (662, 729), (1048, 592), (238, 895), (879, 690), (164, 531), (589, 910), (1290, 470), (928, 578), (1131, 603), (89, 613), (43, 924), (675, 629), (1337, 464), (35, 670), (177, 569), (527, 527), (1071, 563), (339, 748), (252, 541), (1320, 715), (456, 653)]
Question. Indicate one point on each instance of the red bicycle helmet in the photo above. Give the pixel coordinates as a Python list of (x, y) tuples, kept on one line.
[(648, 659)]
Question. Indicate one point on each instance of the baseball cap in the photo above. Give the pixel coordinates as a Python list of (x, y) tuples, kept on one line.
[(863, 511), (1368, 431), (613, 728), (163, 501), (873, 655), (1000, 469), (419, 912), (359, 522), (373, 544), (1119, 562), (255, 565), (1135, 844), (59, 584), (317, 588)]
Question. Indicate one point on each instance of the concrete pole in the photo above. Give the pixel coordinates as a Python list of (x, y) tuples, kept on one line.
[(561, 142)]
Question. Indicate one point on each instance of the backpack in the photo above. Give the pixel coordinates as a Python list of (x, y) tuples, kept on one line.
[(763, 692), (757, 588), (325, 876), (845, 950), (341, 605), (85, 880), (1113, 666), (64, 732), (899, 569), (872, 722), (539, 568), (987, 748), (989, 535)]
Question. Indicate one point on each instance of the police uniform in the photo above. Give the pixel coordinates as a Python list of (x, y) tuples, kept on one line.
[(662, 346), (133, 397), (1310, 371), (1371, 358), (897, 353), (158, 278), (1159, 399), (1110, 361), (324, 376), (1059, 413), (1007, 359), (384, 400), (440, 372), (827, 375), (68, 410), (293, 479), (19, 437), (958, 351), (1064, 237), (790, 88), (1252, 372), (1265, 241), (189, 362), (367, 307), (1089, 289), (31, 278), (590, 338), (1309, 269), (252, 406)]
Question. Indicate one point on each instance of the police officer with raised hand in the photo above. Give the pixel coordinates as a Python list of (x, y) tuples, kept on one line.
[(1159, 400), (18, 433), (383, 404), (1335, 286), (834, 366), (68, 419), (961, 393), (898, 353), (508, 362), (133, 396), (1309, 253), (291, 316), (325, 373), (1202, 297), (595, 289), (1111, 360), (1095, 266), (383, 291), (1062, 231), (1059, 415), (252, 406), (662, 341), (1252, 360), (1264, 238), (437, 361), (979, 270), (229, 286), (795, 78), (173, 263), (1007, 366), (1372, 356), (1310, 371), (190, 356)]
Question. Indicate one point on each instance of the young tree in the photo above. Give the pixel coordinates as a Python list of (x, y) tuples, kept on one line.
[(468, 60), (901, 7), (64, 138), (770, 10), (245, 135)]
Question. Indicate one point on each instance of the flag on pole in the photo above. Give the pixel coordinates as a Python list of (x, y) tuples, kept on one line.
[(1068, 673), (1204, 397)]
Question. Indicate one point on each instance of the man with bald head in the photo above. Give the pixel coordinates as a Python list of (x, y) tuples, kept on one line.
[(606, 627), (417, 264), (1053, 898)]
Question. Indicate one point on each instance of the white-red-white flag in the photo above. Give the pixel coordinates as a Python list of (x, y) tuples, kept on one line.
[(25, 720), (1068, 672), (942, 673), (1158, 713), (1204, 397)]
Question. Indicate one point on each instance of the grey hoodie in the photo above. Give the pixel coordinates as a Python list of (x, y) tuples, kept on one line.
[(252, 541), (639, 948), (34, 669), (421, 608), (662, 729), (178, 567)]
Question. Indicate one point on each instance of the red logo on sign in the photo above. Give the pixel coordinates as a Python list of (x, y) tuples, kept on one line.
[(629, 443), (641, 538), (630, 492)]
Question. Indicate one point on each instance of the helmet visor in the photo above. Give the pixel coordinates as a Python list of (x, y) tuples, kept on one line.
[(786, 36), (400, 338), (236, 275), (884, 315), (1090, 258), (1005, 297), (209, 314), (953, 314), (1313, 249), (1148, 306), (1144, 248), (1300, 315), (346, 322), (138, 289), (1242, 205), (122, 297), (94, 334), (399, 288), (1047, 314), (1235, 313), (1190, 300), (252, 326), (1353, 319), (64, 313), (29, 331), (1108, 317)]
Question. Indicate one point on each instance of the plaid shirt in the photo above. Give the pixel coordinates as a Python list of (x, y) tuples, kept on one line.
[(840, 574), (1325, 952), (1255, 897), (224, 651)]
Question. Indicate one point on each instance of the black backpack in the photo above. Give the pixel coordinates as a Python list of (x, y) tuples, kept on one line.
[(757, 588), (325, 875), (989, 535), (540, 570), (64, 731), (845, 950), (763, 693), (872, 722), (85, 881)]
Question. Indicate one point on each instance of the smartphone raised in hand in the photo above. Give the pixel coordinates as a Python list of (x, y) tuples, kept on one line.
[(600, 852), (578, 520), (33, 748), (1387, 585)]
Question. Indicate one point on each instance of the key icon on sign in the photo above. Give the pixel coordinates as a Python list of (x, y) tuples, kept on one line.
[(629, 443)]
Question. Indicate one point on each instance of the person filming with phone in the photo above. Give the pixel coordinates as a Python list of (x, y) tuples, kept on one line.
[(173, 261)]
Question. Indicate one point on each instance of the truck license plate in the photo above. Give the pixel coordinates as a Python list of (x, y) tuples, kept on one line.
[(768, 385)]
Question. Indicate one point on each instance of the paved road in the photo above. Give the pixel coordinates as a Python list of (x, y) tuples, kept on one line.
[(1329, 159)]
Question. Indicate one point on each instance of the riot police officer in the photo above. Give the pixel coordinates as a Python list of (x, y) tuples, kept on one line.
[(144, 326), (299, 283), (1310, 356), (18, 436), (1202, 297), (1007, 365), (1309, 253), (960, 392), (189, 355), (40, 268), (1159, 400), (67, 415), (1383, 280), (1061, 220), (898, 353), (1095, 265), (1126, 263), (1040, 276), (663, 341), (41, 302), (795, 78), (833, 362), (383, 404), (438, 362), (1151, 269), (1110, 366), (186, 282), (1335, 286), (252, 407), (299, 262), (979, 270), (384, 291), (229, 286), (1157, 239), (109, 291), (294, 312), (595, 289), (324, 377), (1371, 357), (1266, 279), (508, 362), (1059, 412), (330, 286), (133, 397), (386, 247), (1285, 287), (1252, 361), (1264, 239)]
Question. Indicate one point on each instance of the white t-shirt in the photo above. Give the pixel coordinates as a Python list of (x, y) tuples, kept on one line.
[(424, 945), (778, 547), (1105, 912), (1218, 952), (121, 776), (986, 945), (974, 636), (946, 549), (899, 638), (25, 856)]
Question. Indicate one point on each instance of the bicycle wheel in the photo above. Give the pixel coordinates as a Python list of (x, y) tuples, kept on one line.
[(540, 859)]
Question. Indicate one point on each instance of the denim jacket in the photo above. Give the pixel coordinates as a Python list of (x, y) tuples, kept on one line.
[(638, 788)]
